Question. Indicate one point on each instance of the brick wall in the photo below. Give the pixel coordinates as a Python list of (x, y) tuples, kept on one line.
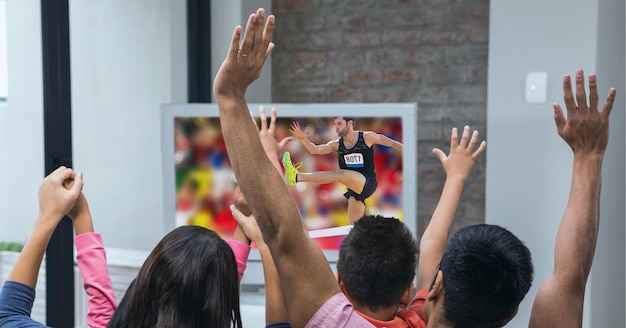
[(433, 52)]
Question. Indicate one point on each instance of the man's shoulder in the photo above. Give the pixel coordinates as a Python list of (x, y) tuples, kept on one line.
[(369, 134), (338, 312)]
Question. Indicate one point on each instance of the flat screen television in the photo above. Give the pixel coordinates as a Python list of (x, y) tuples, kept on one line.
[(198, 180)]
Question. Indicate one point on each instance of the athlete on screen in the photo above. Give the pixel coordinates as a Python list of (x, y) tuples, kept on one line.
[(356, 162)]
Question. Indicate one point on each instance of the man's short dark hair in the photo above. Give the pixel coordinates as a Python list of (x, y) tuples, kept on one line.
[(377, 261), (346, 118), (487, 271)]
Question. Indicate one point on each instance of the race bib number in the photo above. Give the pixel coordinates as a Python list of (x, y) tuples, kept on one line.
[(354, 160)]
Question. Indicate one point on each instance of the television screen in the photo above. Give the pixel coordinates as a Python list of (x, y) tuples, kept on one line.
[(199, 182)]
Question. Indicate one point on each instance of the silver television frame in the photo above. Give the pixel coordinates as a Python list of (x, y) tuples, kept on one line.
[(406, 111)]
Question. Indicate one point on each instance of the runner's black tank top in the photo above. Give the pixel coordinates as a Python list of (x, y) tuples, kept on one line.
[(359, 158)]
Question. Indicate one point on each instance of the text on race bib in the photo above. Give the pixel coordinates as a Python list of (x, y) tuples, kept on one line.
[(354, 160)]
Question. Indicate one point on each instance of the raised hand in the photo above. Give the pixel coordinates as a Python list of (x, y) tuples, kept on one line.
[(560, 299), (267, 133), (55, 200), (246, 56), (462, 154), (297, 132), (249, 225), (586, 130)]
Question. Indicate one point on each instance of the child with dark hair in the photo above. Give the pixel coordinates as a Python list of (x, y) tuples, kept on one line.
[(188, 280), (379, 253)]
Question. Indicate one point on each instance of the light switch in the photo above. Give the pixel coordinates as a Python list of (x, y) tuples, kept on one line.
[(536, 84)]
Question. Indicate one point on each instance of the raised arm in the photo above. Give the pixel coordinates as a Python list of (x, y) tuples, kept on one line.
[(54, 201), (458, 165), (297, 257), (18, 292), (275, 310), (92, 264), (310, 146), (240, 243), (373, 138), (559, 301)]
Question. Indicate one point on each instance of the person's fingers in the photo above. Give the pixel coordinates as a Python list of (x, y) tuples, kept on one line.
[(473, 140), (77, 186), (62, 173), (266, 44), (568, 96), (454, 139), (269, 49), (238, 215), (59, 169), (234, 43), (259, 27), (440, 154), (295, 127), (284, 142), (263, 118), (480, 150), (465, 136), (272, 120), (248, 37), (559, 118), (608, 105), (593, 92), (581, 95)]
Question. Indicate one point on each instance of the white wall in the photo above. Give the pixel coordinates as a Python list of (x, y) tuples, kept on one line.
[(528, 165), (606, 296), (127, 58), (21, 122), (126, 61)]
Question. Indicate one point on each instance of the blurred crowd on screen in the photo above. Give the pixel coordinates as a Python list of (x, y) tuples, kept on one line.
[(205, 183)]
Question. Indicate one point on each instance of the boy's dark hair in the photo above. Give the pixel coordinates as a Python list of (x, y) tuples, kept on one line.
[(487, 271), (377, 261), (189, 280)]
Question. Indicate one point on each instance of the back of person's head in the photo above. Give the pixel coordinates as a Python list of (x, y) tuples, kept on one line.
[(189, 280), (487, 271), (377, 261)]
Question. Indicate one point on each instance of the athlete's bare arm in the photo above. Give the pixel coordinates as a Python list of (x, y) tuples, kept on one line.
[(559, 301), (373, 138), (311, 147)]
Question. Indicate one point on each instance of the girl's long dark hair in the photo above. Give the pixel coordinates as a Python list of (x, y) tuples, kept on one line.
[(189, 280)]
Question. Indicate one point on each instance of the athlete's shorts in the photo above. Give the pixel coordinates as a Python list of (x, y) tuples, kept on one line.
[(368, 189)]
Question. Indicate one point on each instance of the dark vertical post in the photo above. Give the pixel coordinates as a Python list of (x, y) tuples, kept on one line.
[(55, 26), (199, 51)]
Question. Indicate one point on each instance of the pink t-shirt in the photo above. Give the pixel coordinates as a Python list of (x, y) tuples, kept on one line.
[(241, 251), (92, 263), (337, 312)]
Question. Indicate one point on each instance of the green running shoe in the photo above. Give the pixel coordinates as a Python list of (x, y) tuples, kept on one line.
[(290, 169)]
